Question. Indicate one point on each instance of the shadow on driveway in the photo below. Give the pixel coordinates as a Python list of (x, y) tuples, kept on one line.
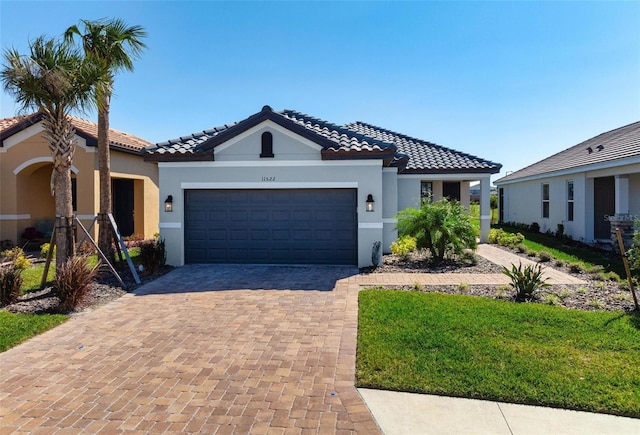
[(213, 277)]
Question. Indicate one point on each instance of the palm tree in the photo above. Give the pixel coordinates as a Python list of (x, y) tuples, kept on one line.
[(54, 79), (112, 45)]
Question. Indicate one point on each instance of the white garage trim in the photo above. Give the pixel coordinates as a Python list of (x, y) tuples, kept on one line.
[(372, 225), (270, 185), (269, 163)]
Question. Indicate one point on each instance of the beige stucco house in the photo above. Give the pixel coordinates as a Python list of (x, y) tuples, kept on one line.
[(25, 176), (285, 187)]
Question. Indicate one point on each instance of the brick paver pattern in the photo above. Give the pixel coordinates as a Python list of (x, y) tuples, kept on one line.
[(214, 361)]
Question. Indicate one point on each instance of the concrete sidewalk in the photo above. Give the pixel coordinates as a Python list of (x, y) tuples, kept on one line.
[(400, 413)]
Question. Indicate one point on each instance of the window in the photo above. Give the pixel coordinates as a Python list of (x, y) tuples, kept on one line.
[(545, 200), (426, 190), (74, 194), (570, 200), (267, 145)]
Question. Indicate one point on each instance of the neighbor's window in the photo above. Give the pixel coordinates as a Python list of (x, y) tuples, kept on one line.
[(74, 194), (426, 190), (267, 145), (570, 200), (545, 200)]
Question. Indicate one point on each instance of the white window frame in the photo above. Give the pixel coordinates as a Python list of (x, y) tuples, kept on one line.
[(546, 201), (570, 201)]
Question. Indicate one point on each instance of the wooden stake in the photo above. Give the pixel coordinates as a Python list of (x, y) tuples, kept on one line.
[(623, 252)]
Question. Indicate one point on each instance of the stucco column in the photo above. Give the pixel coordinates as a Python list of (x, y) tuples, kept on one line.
[(485, 208), (622, 194)]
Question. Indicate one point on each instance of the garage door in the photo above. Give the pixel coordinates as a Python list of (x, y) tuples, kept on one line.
[(297, 226)]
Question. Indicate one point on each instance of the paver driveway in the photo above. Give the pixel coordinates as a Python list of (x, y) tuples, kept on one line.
[(209, 349)]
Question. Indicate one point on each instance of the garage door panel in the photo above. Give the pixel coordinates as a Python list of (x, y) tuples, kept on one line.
[(314, 226)]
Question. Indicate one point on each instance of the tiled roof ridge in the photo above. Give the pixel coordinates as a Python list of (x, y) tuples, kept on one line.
[(111, 130), (198, 134), (341, 129), (77, 121)]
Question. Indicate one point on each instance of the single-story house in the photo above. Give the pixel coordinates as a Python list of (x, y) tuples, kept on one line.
[(285, 187), (25, 176), (582, 188)]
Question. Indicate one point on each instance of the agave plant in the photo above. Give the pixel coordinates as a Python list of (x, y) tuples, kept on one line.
[(526, 281)]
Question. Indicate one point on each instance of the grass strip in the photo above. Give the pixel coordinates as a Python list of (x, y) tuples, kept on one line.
[(16, 328), (476, 347)]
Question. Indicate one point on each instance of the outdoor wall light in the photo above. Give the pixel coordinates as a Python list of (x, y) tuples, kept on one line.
[(168, 204), (370, 202)]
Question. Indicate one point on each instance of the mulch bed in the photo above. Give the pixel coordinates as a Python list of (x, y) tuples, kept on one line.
[(595, 295), (105, 289)]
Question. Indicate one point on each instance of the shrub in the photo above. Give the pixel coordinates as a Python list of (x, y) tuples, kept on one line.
[(11, 277), (6, 244), (525, 281), (44, 250), (534, 227), (522, 248), (153, 255), (16, 256), (544, 256), (576, 268), (403, 247), (468, 258), (72, 281), (443, 227), (500, 237)]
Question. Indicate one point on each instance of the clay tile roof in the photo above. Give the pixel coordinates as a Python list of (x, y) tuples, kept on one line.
[(426, 156), (358, 140), (620, 143), (117, 139)]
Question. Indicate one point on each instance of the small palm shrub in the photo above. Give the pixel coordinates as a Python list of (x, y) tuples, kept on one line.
[(153, 255), (525, 281), (443, 227), (404, 246), (73, 280)]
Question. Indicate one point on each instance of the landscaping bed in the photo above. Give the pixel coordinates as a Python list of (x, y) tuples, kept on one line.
[(596, 294), (105, 289)]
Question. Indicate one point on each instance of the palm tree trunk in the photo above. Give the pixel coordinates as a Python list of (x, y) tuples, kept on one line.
[(105, 234), (60, 135)]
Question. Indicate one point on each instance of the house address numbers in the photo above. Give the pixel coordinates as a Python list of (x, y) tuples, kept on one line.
[(268, 178)]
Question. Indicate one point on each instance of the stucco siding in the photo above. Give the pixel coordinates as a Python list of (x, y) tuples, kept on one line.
[(365, 176), (25, 174), (248, 146), (634, 196), (390, 207)]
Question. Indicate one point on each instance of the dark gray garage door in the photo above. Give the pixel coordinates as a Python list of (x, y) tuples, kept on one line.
[(297, 226)]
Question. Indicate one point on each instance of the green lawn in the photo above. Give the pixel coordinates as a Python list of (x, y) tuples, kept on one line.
[(16, 328), (482, 348), (32, 276)]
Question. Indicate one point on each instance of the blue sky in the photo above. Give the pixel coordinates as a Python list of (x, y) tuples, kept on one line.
[(511, 82)]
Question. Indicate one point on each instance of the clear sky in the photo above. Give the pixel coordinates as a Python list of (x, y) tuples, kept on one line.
[(511, 81)]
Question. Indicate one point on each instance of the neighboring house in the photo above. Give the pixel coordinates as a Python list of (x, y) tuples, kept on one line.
[(25, 176), (579, 187), (285, 187)]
